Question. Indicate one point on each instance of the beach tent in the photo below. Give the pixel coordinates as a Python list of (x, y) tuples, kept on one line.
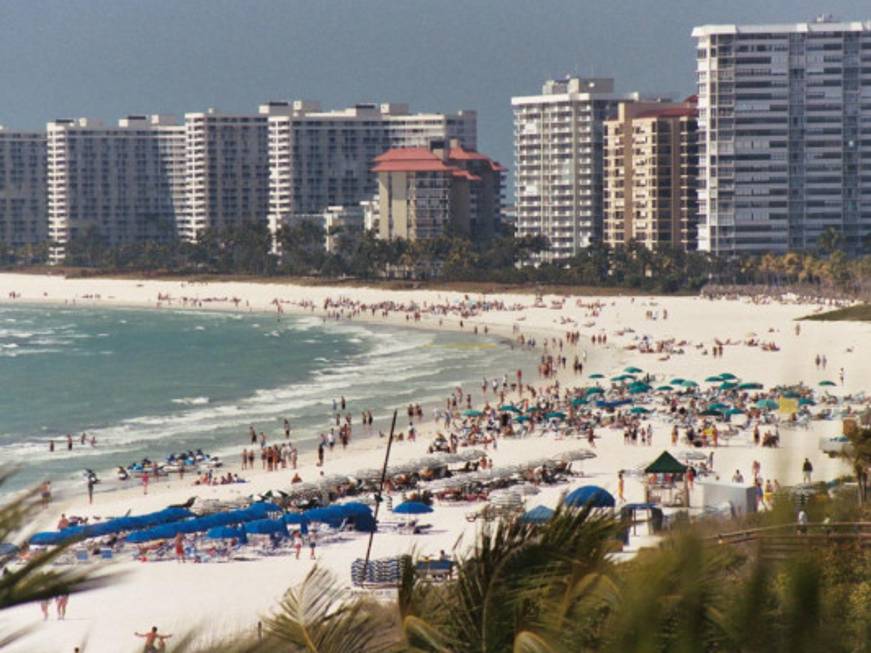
[(330, 515), (665, 464), (537, 515), (590, 495), (267, 506), (111, 526), (412, 508)]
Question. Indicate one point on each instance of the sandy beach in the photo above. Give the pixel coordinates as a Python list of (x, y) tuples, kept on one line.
[(759, 341)]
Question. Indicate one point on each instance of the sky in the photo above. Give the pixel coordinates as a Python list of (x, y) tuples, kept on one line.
[(110, 58)]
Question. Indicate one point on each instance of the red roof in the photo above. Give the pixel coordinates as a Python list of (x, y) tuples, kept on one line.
[(421, 159)]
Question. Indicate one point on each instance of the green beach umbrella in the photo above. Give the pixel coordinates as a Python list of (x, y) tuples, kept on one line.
[(713, 379), (728, 385), (637, 388), (825, 383), (578, 401), (676, 381), (555, 415), (639, 410), (472, 413), (767, 404), (728, 376), (623, 377), (633, 370), (718, 406), (508, 408), (522, 418), (751, 385), (791, 394), (689, 384), (711, 413), (806, 401), (665, 388), (596, 375)]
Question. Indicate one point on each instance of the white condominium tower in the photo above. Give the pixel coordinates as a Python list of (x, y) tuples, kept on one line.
[(784, 135), (319, 159), (125, 181), (558, 158), (227, 178), (23, 218)]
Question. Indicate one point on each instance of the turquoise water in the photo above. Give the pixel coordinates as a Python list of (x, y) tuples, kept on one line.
[(147, 383)]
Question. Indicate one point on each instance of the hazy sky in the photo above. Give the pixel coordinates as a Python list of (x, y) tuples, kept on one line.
[(108, 58)]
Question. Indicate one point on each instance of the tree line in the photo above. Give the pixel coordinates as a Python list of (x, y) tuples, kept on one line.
[(247, 249)]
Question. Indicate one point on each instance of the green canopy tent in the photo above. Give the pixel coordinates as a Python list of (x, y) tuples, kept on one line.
[(664, 474)]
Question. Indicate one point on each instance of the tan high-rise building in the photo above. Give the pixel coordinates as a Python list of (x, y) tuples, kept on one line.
[(430, 192), (651, 168)]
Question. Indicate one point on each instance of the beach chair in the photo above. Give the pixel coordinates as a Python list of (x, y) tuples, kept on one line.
[(106, 554), (82, 555)]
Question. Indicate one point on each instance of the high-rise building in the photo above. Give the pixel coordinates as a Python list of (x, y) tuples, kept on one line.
[(324, 158), (651, 171), (784, 135), (23, 212), (127, 181), (438, 190), (558, 161), (227, 179)]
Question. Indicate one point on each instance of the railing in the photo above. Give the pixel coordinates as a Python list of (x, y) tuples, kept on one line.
[(782, 540)]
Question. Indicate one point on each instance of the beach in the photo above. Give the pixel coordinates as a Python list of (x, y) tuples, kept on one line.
[(666, 337)]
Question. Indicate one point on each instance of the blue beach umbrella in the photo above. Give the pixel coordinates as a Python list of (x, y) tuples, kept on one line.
[(265, 527), (412, 508), (590, 495), (538, 515)]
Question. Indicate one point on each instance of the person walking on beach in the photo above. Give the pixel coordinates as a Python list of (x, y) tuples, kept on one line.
[(321, 454), (312, 544), (153, 639), (620, 487), (45, 605), (91, 481), (45, 493), (806, 470), (60, 604)]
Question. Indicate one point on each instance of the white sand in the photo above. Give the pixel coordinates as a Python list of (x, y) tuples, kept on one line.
[(225, 597)]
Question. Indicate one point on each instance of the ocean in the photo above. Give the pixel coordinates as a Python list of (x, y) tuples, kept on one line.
[(147, 383)]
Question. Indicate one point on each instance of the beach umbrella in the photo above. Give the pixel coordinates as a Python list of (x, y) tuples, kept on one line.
[(676, 381), (590, 495), (522, 418), (790, 394), (412, 508), (713, 379), (767, 404), (555, 415), (472, 413), (538, 515), (622, 377), (597, 376), (638, 388), (267, 506), (806, 401), (509, 408), (728, 376), (225, 533), (665, 388), (693, 455), (751, 385), (687, 383), (728, 385), (265, 527), (827, 383), (633, 370), (294, 518), (718, 406), (639, 410), (711, 413), (368, 474), (578, 401)]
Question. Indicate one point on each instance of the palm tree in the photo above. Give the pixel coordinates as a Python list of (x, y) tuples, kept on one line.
[(858, 454)]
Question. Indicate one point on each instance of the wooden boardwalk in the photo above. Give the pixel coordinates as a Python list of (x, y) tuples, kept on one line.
[(787, 540)]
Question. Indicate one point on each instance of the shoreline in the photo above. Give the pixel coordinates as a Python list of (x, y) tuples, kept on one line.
[(692, 328)]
